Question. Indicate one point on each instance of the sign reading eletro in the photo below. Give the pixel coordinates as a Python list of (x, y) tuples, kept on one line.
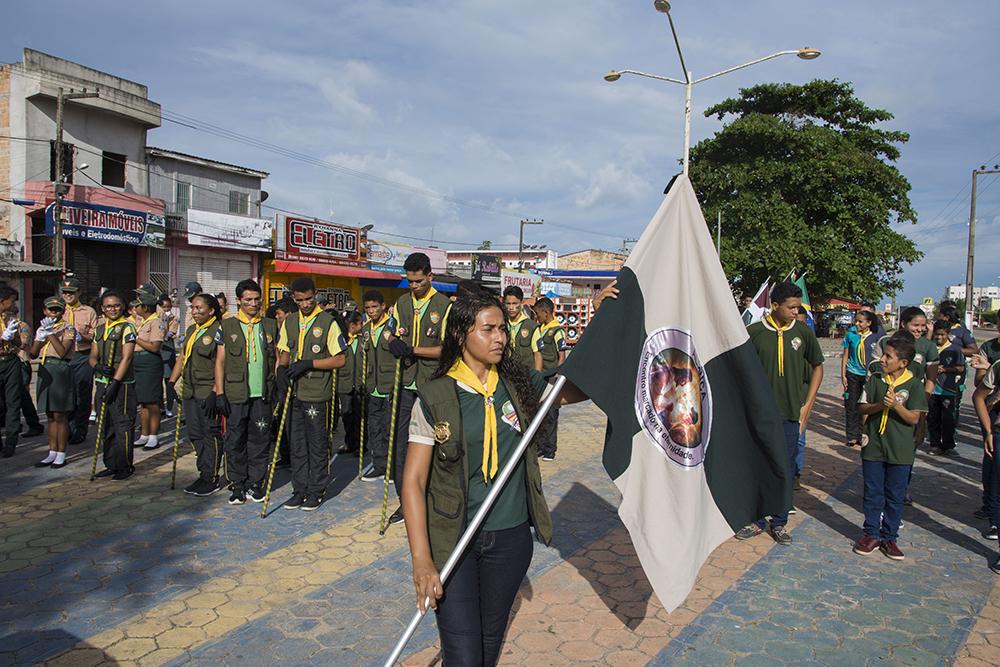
[(93, 222), (305, 240)]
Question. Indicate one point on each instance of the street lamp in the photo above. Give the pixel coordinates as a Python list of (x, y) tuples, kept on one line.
[(805, 53)]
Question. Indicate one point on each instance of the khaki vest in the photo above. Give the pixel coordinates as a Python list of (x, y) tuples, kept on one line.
[(447, 483), (521, 344), (349, 375), (381, 365), (110, 351), (316, 386), (549, 351), (428, 334), (199, 368), (236, 379)]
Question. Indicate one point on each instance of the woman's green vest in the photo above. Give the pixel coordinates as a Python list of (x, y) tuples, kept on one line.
[(236, 380), (199, 368), (428, 334), (110, 351), (381, 371), (447, 483), (316, 386)]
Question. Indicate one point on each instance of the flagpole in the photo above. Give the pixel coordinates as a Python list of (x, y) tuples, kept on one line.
[(496, 487)]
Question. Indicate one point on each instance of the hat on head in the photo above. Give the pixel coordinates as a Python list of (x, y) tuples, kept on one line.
[(192, 289), (69, 284), (147, 299), (133, 303), (147, 288), (54, 303)]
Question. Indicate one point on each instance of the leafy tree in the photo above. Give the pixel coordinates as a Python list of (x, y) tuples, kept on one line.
[(806, 180), (485, 245)]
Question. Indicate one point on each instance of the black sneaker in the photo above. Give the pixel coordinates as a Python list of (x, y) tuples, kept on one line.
[(202, 487), (373, 475), (981, 513), (397, 516), (995, 565), (256, 494), (32, 432), (746, 532), (105, 473), (295, 502), (311, 503), (122, 475), (780, 535), (238, 497), (991, 533), (797, 486)]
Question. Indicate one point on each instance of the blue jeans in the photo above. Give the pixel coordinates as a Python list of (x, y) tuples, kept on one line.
[(991, 482), (792, 447), (800, 453), (473, 613), (885, 488)]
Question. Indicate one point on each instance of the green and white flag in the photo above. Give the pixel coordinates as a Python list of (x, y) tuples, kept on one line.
[(694, 440)]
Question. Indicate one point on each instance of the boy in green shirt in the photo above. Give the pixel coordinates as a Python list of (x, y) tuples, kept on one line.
[(892, 403), (549, 345)]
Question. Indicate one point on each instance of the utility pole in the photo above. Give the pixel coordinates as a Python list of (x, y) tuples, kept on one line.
[(520, 242), (59, 186), (625, 243), (969, 299)]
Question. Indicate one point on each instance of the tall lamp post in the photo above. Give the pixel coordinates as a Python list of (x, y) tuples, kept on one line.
[(663, 6)]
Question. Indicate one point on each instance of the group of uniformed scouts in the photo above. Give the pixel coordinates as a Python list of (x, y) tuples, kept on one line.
[(256, 389)]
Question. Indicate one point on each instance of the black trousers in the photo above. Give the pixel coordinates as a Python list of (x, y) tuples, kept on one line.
[(548, 434), (377, 431), (852, 417), (28, 410), (473, 613), (350, 414), (941, 421), (247, 443), (206, 438), (83, 385), (117, 427), (11, 388), (406, 399), (308, 447)]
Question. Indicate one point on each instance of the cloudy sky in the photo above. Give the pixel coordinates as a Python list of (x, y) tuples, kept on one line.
[(453, 120)]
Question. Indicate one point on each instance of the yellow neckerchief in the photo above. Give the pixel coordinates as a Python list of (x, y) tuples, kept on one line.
[(515, 326), (198, 331), (462, 373), (108, 326), (418, 308), (57, 329), (305, 323), (903, 377), (861, 348), (551, 324), (373, 326), (251, 322), (154, 316), (781, 341)]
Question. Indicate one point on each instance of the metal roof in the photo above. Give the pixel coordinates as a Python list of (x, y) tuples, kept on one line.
[(16, 267)]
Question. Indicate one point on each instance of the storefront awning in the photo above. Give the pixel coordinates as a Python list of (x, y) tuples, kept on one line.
[(282, 266), (13, 267)]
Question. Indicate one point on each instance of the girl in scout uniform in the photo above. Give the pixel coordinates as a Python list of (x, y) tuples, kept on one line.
[(54, 342), (859, 346), (168, 349), (892, 402), (466, 423), (195, 367), (522, 328), (350, 379), (111, 358), (150, 333)]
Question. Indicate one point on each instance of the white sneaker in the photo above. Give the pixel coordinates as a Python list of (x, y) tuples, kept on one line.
[(93, 417), (152, 443), (142, 440)]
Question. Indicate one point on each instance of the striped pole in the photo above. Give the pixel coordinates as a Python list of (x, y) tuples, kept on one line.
[(277, 447), (178, 388), (383, 525), (364, 407)]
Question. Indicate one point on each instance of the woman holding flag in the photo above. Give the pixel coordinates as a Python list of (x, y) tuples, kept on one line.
[(465, 425), (54, 341)]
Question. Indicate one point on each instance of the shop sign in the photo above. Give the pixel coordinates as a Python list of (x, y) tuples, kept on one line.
[(528, 282), (93, 222), (486, 268), (305, 240), (389, 256), (224, 230), (554, 289)]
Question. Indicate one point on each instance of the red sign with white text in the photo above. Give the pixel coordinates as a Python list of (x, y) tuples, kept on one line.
[(305, 240)]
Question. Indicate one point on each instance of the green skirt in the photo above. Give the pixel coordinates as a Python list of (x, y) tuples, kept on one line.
[(54, 386), (148, 369)]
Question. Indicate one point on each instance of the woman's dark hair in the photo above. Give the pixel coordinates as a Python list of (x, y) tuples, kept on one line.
[(211, 302), (286, 305), (108, 293), (942, 325), (949, 311), (353, 317), (461, 319), (164, 300), (6, 292), (910, 313)]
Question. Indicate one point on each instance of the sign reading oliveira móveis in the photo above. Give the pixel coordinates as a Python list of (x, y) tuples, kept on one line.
[(93, 222)]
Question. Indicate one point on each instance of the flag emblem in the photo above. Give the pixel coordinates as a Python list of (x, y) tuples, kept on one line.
[(317, 332), (672, 399)]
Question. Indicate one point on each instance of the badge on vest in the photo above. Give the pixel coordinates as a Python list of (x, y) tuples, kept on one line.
[(315, 349), (796, 343), (509, 416), (234, 337), (386, 335), (206, 340), (442, 432), (317, 332), (269, 339), (901, 396), (525, 333), (435, 317)]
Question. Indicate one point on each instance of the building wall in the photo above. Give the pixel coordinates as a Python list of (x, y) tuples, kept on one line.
[(510, 259), (209, 187), (592, 260), (958, 292)]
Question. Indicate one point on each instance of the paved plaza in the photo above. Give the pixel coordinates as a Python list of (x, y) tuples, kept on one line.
[(131, 572)]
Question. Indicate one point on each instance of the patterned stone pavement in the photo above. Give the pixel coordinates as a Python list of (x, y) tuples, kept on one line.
[(132, 573)]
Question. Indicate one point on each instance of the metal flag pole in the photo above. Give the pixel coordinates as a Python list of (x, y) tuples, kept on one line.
[(496, 488)]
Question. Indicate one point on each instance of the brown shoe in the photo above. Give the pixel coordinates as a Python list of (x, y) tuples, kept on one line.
[(866, 545), (798, 484), (891, 550)]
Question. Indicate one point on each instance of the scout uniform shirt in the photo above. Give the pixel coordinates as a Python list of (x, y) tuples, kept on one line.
[(861, 350), (349, 376), (66, 336), (421, 323), (799, 350), (950, 354), (548, 340), (991, 350), (150, 330), (110, 337), (83, 319), (992, 383), (891, 441), (522, 334), (312, 337), (250, 356), (381, 370), (198, 374)]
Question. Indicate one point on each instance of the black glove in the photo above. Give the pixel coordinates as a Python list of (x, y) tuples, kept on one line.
[(400, 348), (299, 368), (209, 409), (222, 406), (281, 383), (111, 393), (104, 370)]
